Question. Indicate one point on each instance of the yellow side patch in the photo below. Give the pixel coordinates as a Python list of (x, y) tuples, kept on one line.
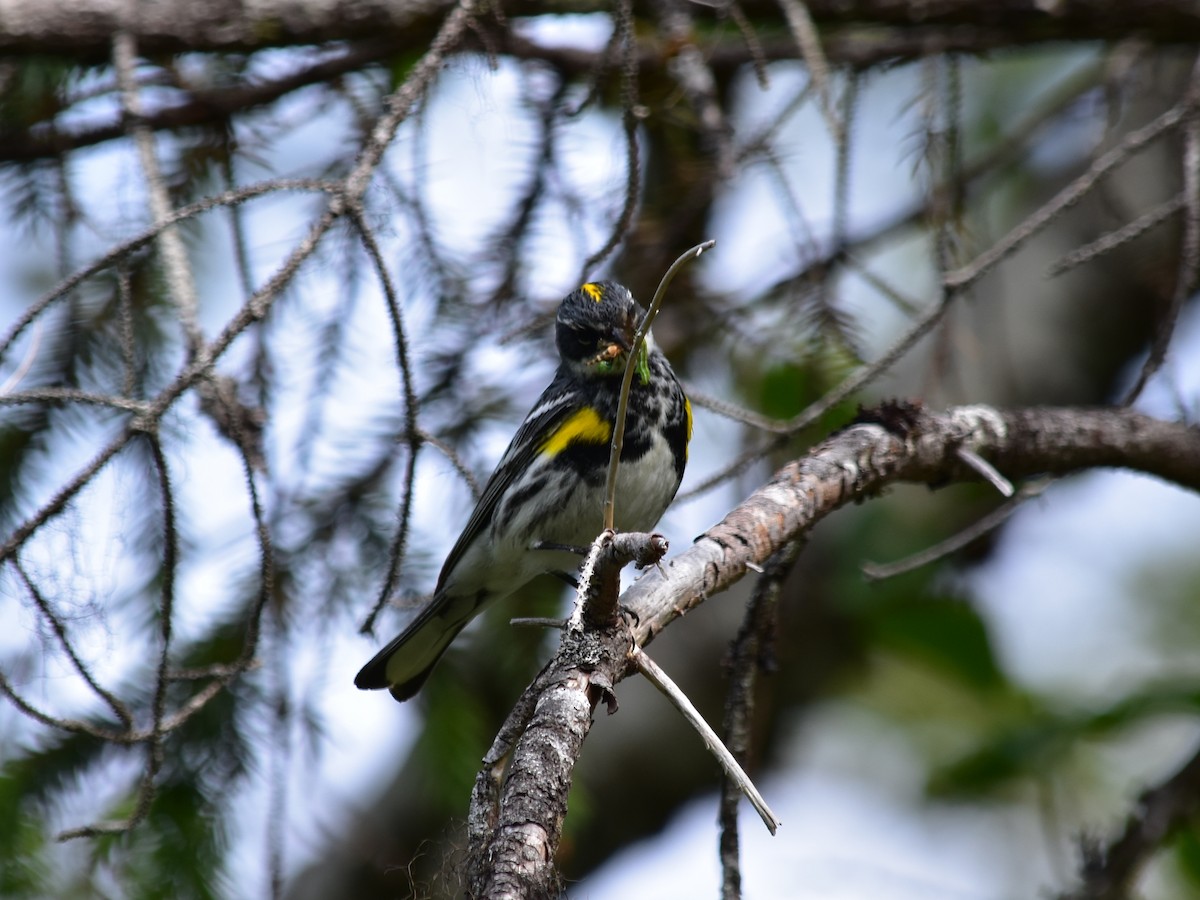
[(592, 290), (585, 426), (687, 409)]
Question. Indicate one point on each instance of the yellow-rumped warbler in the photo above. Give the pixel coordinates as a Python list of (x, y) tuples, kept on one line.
[(549, 486)]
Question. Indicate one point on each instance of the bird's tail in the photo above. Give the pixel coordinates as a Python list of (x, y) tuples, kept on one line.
[(408, 659)]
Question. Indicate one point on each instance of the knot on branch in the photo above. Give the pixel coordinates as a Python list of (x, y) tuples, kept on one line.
[(898, 417), (238, 422), (600, 576)]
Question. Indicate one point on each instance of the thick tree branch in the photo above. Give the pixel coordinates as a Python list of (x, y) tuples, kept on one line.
[(894, 443), (904, 443), (83, 29)]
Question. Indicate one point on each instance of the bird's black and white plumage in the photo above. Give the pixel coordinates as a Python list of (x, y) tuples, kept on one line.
[(549, 485)]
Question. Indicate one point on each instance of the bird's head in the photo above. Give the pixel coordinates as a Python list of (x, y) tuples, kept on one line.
[(595, 329)]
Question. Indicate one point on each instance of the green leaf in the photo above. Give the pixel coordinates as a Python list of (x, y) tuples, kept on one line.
[(944, 633)]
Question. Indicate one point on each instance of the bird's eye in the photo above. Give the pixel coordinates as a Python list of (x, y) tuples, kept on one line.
[(577, 343)]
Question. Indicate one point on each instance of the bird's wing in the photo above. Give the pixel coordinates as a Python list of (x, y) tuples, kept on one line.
[(555, 404)]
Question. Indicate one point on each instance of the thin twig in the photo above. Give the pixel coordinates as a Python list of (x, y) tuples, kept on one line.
[(749, 653), (122, 250), (457, 461), (166, 620), (986, 469), (18, 374), (1189, 254), (178, 271), (712, 742), (618, 438), (977, 529), (1130, 144), (753, 45), (1121, 236), (128, 343), (72, 395), (804, 33), (630, 116), (120, 710), (412, 429)]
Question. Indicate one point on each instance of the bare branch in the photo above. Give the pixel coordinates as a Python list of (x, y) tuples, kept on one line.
[(904, 443), (120, 710), (412, 430), (808, 42), (1067, 197), (712, 742), (1120, 237), (630, 115), (514, 838), (986, 524)]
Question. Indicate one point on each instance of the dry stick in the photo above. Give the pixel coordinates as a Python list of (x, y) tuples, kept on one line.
[(181, 285), (733, 771), (618, 438), (985, 469), (974, 531)]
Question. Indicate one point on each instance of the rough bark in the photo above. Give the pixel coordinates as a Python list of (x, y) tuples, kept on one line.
[(905, 443), (894, 443)]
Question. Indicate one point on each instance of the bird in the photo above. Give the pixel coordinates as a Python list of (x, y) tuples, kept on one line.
[(547, 493)]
